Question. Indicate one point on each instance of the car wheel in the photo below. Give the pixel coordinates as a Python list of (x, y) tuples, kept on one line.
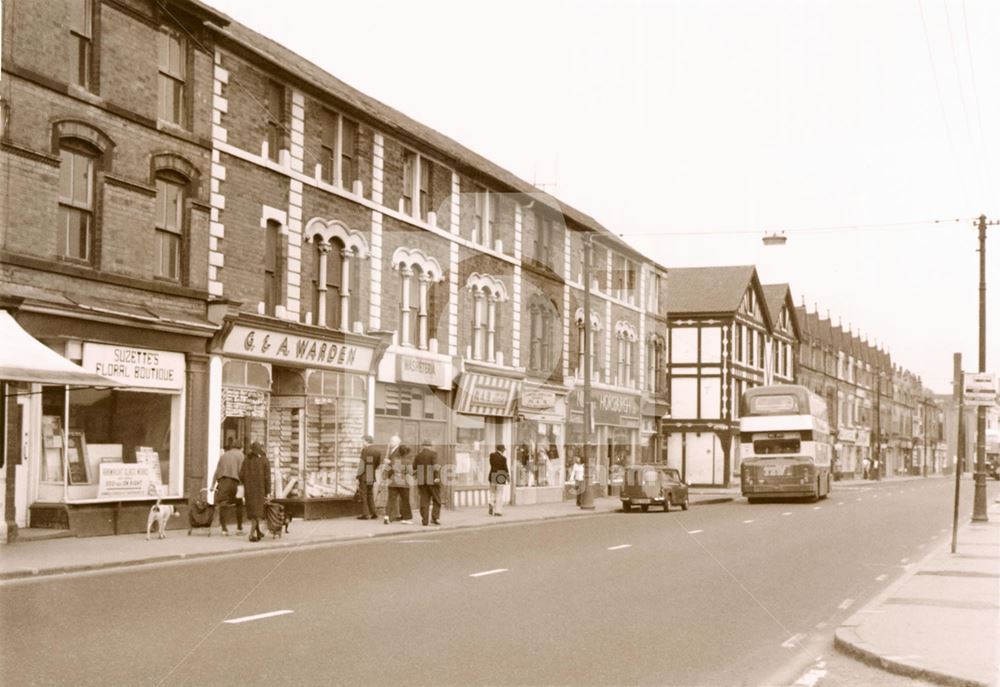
[(667, 504), (687, 503), (626, 506), (644, 507)]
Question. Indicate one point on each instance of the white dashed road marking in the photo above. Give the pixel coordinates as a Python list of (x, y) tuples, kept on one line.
[(811, 678), (488, 572), (817, 507), (881, 577), (695, 531), (792, 641), (747, 522), (840, 503), (787, 512), (259, 616), (620, 546), (845, 604), (904, 560)]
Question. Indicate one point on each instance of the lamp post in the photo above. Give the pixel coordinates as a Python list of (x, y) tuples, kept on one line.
[(979, 499), (587, 498)]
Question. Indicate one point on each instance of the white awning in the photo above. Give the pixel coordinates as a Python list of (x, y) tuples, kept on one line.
[(25, 359)]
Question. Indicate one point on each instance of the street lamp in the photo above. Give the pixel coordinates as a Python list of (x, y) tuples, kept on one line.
[(979, 500), (587, 498)]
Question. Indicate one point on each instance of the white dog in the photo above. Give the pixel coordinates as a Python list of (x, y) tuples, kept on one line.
[(160, 514)]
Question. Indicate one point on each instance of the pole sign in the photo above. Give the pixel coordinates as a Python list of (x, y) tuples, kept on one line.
[(979, 389)]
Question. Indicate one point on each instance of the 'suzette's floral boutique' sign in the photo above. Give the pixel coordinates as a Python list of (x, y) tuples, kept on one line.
[(135, 366), (280, 347)]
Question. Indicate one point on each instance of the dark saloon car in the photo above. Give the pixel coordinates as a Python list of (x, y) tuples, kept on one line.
[(653, 485)]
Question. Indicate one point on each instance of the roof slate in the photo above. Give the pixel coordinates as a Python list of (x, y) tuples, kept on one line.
[(707, 289)]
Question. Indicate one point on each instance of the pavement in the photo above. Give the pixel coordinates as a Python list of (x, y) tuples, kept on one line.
[(940, 621), (38, 558)]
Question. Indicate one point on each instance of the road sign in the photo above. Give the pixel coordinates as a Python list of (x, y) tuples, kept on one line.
[(979, 389)]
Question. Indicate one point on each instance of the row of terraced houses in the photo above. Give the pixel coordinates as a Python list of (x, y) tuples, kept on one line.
[(255, 251)]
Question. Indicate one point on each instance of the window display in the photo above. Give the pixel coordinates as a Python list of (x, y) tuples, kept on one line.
[(111, 427)]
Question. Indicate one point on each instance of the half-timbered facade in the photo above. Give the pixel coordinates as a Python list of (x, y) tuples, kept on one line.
[(719, 326)]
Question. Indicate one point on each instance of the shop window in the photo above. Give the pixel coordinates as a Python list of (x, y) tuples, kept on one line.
[(81, 38), (76, 200), (110, 426), (537, 460), (172, 52), (169, 225)]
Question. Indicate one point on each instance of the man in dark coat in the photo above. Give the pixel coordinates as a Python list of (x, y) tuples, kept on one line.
[(255, 474), (400, 480), (499, 479), (427, 468), (371, 458)]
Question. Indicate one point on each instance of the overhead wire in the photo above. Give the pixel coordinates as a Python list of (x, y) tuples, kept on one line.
[(801, 230), (937, 88), (975, 91), (961, 95)]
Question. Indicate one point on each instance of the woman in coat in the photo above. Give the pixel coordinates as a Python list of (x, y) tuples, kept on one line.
[(255, 474)]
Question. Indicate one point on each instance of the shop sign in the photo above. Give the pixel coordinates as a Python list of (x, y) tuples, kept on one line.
[(610, 408), (416, 370), (276, 347), (240, 402), (480, 394), (127, 480), (848, 435), (135, 366), (539, 399)]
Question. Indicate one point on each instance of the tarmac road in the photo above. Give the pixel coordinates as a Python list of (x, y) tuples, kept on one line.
[(719, 595)]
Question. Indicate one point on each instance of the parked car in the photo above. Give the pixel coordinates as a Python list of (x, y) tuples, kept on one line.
[(993, 468), (653, 485)]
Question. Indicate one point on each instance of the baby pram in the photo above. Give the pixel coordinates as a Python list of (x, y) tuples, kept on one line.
[(200, 512)]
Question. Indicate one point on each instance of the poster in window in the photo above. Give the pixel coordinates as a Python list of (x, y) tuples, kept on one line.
[(76, 457)]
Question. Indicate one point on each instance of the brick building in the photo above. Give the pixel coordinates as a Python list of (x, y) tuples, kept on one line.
[(304, 263)]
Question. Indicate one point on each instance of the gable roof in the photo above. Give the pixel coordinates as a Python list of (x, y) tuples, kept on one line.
[(712, 290), (778, 296)]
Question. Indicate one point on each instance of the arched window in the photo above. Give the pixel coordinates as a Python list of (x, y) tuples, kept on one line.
[(486, 291), (417, 275), (542, 335), (169, 222), (76, 199)]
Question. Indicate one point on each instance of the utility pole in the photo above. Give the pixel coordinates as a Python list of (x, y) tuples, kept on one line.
[(979, 501), (587, 500), (959, 446)]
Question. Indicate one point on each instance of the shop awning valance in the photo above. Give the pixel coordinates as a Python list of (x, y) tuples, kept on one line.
[(482, 394), (25, 359)]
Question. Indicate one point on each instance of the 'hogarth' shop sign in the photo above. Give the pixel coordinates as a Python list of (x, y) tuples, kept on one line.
[(296, 349), (609, 408)]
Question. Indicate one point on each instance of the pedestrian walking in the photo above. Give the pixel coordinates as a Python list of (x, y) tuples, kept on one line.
[(400, 481), (368, 464), (866, 466), (576, 478), (383, 477), (255, 473), (427, 470), (226, 482), (499, 479)]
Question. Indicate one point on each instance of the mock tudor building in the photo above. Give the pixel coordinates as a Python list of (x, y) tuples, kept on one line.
[(248, 249), (724, 339)]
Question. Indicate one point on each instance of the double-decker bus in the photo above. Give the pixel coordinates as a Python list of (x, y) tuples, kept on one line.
[(785, 443)]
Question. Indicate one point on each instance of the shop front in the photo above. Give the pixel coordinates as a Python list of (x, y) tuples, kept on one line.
[(617, 423), (539, 450), (101, 455), (483, 417), (304, 393), (847, 462)]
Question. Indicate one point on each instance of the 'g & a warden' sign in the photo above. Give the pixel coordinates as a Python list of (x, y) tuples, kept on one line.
[(279, 347)]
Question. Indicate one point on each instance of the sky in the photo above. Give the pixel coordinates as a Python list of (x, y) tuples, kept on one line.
[(862, 130)]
